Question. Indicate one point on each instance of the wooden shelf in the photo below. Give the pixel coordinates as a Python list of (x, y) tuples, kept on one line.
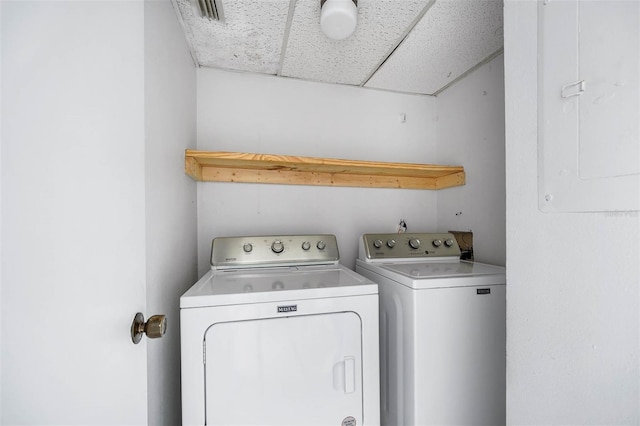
[(210, 166)]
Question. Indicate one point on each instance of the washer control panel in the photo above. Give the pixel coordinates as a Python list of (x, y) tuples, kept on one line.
[(274, 250), (408, 246)]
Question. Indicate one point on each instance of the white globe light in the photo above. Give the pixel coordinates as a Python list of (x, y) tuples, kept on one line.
[(338, 18)]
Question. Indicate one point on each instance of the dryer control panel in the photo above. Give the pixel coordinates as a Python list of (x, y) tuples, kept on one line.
[(273, 250), (408, 246)]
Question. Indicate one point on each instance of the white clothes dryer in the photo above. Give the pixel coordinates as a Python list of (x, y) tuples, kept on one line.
[(278, 333), (442, 331)]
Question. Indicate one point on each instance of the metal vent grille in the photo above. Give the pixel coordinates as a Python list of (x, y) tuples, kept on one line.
[(211, 9)]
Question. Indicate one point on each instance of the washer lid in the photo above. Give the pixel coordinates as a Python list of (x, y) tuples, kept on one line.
[(439, 274), (233, 287)]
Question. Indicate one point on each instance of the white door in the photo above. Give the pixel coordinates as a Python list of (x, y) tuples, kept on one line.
[(300, 370), (73, 242)]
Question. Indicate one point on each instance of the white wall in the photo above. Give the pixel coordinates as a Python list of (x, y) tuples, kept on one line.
[(470, 132), (73, 220), (262, 114), (1, 198), (1, 398), (573, 322), (170, 128)]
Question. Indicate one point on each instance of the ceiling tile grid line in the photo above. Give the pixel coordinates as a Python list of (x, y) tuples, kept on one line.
[(452, 38), (398, 43), (470, 70), (287, 31), (313, 56)]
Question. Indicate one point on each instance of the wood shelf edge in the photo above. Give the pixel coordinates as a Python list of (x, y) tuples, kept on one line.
[(213, 166), (192, 167)]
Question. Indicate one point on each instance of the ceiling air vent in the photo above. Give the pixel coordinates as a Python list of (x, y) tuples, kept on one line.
[(211, 9)]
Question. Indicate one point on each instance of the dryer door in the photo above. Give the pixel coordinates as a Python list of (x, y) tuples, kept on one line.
[(298, 370)]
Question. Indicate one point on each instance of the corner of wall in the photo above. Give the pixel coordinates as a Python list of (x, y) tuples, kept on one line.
[(1, 204), (470, 133), (170, 198)]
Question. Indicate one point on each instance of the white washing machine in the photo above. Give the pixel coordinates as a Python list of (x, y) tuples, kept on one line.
[(278, 333), (442, 331)]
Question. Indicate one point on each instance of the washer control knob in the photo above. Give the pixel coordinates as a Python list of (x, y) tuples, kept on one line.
[(448, 242), (321, 245), (377, 243), (306, 245), (247, 248), (391, 243), (277, 247), (436, 243), (414, 243)]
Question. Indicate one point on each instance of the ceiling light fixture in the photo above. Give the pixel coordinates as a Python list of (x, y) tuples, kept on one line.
[(338, 18)]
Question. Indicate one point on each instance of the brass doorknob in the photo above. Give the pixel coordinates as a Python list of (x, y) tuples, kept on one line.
[(156, 326)]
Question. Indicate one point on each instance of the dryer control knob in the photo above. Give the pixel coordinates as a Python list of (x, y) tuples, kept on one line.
[(277, 247), (436, 243), (391, 243), (448, 242), (377, 243), (247, 248), (306, 245), (414, 243), (321, 245)]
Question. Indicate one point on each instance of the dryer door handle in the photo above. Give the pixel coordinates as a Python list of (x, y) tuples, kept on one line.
[(349, 374)]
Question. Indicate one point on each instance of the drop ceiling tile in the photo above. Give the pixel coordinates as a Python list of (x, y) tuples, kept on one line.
[(249, 39), (311, 55), (452, 37)]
